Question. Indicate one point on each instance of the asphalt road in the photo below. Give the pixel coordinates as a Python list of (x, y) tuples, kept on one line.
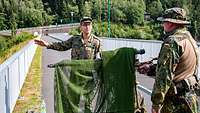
[(52, 56), (147, 82)]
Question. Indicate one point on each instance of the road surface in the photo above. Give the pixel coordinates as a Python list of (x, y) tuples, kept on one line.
[(50, 57)]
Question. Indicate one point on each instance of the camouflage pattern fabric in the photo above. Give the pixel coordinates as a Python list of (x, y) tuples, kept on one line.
[(180, 104), (174, 15), (164, 93), (80, 50), (117, 92), (111, 80)]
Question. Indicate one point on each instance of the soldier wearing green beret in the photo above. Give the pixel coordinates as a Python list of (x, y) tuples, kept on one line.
[(84, 46), (176, 71)]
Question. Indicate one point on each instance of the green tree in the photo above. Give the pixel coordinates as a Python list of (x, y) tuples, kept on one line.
[(2, 16), (2, 20), (61, 10), (134, 13), (141, 3), (195, 18), (87, 9), (81, 7), (72, 13), (174, 3), (80, 4), (155, 9), (31, 13), (117, 11), (12, 21), (33, 17), (96, 10)]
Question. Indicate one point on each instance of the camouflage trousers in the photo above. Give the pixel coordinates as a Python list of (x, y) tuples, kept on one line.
[(181, 104), (139, 104)]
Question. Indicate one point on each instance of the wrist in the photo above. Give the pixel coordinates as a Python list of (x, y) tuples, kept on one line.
[(46, 44), (156, 107)]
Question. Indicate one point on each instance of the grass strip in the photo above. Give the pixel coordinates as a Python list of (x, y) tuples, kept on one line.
[(31, 90)]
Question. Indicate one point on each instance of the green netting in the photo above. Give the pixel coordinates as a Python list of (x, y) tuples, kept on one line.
[(112, 81)]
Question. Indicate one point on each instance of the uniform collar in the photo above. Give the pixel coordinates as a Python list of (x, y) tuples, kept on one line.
[(89, 40), (167, 34)]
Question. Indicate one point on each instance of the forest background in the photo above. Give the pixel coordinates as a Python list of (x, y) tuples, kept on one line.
[(113, 18)]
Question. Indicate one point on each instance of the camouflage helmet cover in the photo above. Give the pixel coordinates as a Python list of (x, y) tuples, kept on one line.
[(174, 15)]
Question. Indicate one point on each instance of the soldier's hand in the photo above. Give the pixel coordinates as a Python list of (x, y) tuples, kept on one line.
[(41, 42), (153, 110), (144, 68)]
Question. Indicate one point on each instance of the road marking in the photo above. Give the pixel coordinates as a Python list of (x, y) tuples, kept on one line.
[(144, 89)]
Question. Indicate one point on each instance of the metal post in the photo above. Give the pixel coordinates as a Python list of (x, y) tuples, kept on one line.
[(109, 18), (100, 17), (72, 14)]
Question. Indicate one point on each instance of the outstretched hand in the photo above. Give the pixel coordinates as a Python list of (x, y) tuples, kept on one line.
[(41, 42), (155, 110), (144, 68)]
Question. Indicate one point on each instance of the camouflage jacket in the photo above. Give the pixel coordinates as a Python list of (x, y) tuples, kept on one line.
[(169, 58), (80, 50)]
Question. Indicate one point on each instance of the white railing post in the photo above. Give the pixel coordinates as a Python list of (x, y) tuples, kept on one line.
[(12, 75)]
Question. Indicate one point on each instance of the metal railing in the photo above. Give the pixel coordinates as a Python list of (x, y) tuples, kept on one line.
[(151, 47), (43, 29), (12, 75)]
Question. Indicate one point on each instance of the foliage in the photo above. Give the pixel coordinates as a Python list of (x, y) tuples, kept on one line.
[(155, 8), (2, 44), (2, 20), (47, 19), (122, 31), (195, 18), (23, 37), (96, 10), (19, 13), (134, 13), (74, 31), (29, 13), (118, 11), (7, 43), (87, 9), (33, 18)]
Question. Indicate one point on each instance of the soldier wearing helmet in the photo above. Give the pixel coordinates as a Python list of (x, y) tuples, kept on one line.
[(176, 70)]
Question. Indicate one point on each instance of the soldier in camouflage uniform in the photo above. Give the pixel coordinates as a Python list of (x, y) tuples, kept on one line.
[(84, 46), (173, 90)]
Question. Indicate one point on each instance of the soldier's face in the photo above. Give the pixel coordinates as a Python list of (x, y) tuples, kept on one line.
[(86, 27), (168, 26)]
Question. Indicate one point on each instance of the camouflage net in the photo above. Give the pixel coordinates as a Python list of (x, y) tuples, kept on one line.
[(88, 86)]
